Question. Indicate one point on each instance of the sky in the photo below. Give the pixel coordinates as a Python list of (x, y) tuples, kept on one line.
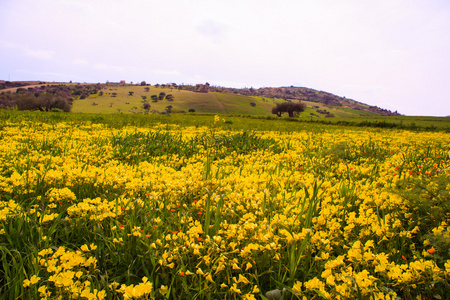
[(394, 54)]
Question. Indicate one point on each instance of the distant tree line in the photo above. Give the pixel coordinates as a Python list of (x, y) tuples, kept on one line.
[(15, 84), (46, 97)]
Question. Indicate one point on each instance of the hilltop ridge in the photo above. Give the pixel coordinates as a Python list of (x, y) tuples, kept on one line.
[(120, 97)]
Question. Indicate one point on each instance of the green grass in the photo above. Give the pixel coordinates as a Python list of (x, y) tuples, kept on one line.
[(234, 122), (123, 103), (215, 103)]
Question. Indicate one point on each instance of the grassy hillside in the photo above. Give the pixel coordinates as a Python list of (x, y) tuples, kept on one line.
[(114, 98), (212, 102)]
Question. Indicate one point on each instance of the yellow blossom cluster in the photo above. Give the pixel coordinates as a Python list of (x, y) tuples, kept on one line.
[(332, 213)]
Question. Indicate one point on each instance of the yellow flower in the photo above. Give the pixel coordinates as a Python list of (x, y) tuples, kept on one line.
[(297, 288), (255, 289), (209, 278), (314, 284), (163, 290), (242, 279), (171, 265), (101, 295), (234, 289), (248, 297), (199, 271), (33, 280)]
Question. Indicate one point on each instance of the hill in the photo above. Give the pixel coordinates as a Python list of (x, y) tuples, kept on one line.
[(142, 98), (306, 95)]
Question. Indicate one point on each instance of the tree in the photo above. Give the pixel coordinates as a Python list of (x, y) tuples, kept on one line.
[(44, 102), (162, 95), (288, 107), (143, 83), (154, 98), (146, 106), (147, 89), (130, 93), (169, 97), (191, 110)]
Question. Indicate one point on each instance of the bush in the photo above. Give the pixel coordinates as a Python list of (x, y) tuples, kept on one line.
[(44, 102), (288, 107)]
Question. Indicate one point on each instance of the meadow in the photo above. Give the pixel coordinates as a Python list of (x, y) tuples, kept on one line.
[(122, 102), (221, 207)]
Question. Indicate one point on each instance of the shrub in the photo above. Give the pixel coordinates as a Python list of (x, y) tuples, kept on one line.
[(288, 107), (44, 102)]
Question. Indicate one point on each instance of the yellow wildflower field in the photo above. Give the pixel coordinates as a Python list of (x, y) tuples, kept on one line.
[(88, 211)]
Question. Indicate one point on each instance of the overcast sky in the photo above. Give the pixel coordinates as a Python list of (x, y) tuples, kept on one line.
[(391, 53)]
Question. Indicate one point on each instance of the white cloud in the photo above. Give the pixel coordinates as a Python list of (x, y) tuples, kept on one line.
[(79, 61), (7, 44), (212, 29), (26, 50), (108, 67), (45, 76), (166, 72), (39, 53)]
